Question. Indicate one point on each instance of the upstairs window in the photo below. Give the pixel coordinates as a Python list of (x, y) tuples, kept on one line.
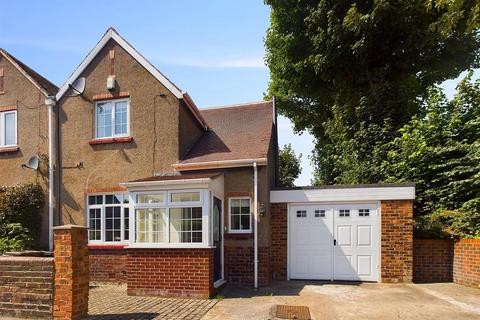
[(8, 128), (112, 118)]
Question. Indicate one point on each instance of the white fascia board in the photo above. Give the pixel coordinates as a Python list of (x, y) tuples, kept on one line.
[(342, 194), (167, 184), (112, 34), (220, 164)]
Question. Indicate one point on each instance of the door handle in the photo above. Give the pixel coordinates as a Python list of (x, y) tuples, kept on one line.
[(334, 242)]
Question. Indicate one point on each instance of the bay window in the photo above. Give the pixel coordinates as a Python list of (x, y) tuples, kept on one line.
[(108, 218)]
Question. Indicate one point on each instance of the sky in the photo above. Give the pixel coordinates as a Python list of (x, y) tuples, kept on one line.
[(212, 49)]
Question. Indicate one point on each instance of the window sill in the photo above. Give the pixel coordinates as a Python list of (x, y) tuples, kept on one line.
[(110, 140), (106, 246), (9, 149), (168, 246), (238, 235)]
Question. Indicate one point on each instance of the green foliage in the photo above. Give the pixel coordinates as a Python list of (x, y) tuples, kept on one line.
[(354, 72), (290, 167), (440, 151), (15, 238), (20, 205)]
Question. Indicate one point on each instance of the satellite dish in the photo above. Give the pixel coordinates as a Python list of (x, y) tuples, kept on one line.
[(32, 163), (78, 86)]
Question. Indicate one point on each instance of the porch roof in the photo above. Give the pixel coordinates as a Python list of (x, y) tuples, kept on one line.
[(179, 176)]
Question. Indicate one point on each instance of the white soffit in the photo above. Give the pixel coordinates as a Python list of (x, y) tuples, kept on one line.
[(337, 194)]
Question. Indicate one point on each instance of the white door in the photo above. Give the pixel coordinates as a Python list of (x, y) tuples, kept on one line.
[(334, 242)]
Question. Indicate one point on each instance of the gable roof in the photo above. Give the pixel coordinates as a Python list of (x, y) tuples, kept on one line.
[(238, 133), (45, 86), (112, 34)]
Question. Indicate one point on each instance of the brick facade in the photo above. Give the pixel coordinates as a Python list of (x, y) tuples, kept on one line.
[(279, 235), (432, 260), (466, 262), (71, 273), (108, 264), (170, 272), (396, 241), (239, 267), (26, 287)]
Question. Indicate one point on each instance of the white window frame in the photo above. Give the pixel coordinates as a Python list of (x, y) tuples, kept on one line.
[(167, 205), (2, 129), (102, 206), (114, 135), (230, 230)]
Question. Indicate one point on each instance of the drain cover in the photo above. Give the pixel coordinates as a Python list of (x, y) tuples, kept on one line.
[(292, 312)]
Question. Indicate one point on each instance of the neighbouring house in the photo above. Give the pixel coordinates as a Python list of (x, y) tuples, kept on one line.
[(23, 127), (180, 200)]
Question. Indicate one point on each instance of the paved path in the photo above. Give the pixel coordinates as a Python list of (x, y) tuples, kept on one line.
[(108, 302)]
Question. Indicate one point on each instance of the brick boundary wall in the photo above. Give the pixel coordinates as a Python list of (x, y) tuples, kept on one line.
[(432, 260), (279, 237), (239, 267), (466, 262), (170, 272), (71, 282), (108, 265), (396, 241), (26, 287)]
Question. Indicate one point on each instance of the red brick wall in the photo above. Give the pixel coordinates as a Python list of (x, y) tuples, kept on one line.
[(108, 265), (26, 287), (432, 260), (279, 236), (466, 263), (170, 272), (239, 266), (397, 240)]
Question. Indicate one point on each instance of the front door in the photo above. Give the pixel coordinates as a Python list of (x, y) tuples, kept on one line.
[(217, 239)]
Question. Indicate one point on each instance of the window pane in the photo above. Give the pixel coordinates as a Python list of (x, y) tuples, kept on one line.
[(113, 198), (185, 197), (150, 198), (245, 222), (184, 221), (151, 225), (104, 119), (235, 224), (10, 129), (112, 224), (126, 223), (121, 117), (95, 224)]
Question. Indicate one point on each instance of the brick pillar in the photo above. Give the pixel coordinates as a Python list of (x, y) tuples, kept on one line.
[(71, 272)]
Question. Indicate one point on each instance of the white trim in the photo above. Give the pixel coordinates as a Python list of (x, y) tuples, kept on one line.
[(114, 107), (342, 194), (230, 215), (219, 164), (2, 128), (112, 34), (167, 183)]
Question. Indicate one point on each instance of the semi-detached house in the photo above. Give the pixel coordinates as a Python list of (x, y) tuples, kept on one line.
[(180, 200)]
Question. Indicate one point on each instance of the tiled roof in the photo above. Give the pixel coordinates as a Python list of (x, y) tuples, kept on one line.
[(184, 176), (45, 84), (237, 132)]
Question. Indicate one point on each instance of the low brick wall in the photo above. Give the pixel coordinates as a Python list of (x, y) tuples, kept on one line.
[(26, 287), (170, 272), (466, 262), (432, 260), (108, 264), (239, 267)]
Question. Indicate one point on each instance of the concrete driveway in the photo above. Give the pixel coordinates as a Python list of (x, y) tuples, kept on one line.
[(351, 301)]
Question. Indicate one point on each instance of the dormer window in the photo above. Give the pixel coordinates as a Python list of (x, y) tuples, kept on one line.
[(8, 128), (112, 118)]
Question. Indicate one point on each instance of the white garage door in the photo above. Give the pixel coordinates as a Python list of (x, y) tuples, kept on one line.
[(334, 242)]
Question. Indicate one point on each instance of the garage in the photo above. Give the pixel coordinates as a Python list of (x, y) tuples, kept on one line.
[(343, 232)]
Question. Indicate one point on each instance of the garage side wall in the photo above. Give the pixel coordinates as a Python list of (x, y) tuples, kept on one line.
[(397, 241)]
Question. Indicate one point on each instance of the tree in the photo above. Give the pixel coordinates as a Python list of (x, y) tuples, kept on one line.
[(290, 167), (440, 151), (353, 73)]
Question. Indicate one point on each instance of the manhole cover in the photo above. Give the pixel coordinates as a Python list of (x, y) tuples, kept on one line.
[(292, 312)]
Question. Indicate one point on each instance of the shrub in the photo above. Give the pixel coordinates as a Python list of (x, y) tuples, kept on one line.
[(15, 238), (21, 206)]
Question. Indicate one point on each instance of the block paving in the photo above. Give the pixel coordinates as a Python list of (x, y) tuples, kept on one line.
[(110, 301)]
